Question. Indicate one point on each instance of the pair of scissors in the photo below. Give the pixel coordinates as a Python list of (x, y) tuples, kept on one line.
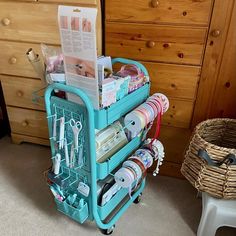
[(76, 128)]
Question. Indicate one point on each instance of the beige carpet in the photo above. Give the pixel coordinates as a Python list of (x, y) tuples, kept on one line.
[(169, 206)]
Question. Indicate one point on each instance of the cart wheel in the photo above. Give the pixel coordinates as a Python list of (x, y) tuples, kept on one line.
[(108, 231), (138, 199)]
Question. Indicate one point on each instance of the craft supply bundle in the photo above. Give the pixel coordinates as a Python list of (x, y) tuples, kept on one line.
[(98, 120)]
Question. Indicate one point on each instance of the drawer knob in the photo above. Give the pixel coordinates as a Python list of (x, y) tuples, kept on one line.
[(20, 93), (151, 44), (12, 60), (180, 55), (6, 21), (215, 33), (25, 123), (154, 3)]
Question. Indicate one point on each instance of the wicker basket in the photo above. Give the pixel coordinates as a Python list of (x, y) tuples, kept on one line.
[(217, 139)]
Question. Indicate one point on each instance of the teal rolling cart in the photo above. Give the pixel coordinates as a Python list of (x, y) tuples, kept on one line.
[(85, 173)]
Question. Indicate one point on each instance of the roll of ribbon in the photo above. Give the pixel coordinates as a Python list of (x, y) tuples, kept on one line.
[(146, 157), (124, 177), (163, 100), (141, 165), (156, 146), (135, 122), (134, 166), (146, 113)]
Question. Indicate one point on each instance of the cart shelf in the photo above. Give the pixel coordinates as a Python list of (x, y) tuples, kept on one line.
[(105, 168), (106, 116)]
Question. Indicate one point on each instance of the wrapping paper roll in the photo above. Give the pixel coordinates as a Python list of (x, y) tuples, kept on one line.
[(36, 64)]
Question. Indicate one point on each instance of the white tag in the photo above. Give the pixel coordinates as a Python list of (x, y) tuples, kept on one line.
[(57, 163), (62, 132), (83, 189)]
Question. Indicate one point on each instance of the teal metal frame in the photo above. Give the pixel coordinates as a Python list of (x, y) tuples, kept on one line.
[(92, 149)]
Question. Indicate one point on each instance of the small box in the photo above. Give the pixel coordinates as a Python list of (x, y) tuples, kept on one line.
[(108, 92)]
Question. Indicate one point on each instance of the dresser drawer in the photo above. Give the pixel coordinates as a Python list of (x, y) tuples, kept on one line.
[(28, 122), (155, 43), (179, 113), (68, 2), (19, 92), (30, 22), (13, 60), (176, 81), (175, 141), (159, 11)]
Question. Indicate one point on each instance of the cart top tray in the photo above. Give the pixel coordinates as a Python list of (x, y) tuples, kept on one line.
[(108, 115)]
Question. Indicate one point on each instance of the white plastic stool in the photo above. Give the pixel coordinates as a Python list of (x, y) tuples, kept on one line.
[(216, 213)]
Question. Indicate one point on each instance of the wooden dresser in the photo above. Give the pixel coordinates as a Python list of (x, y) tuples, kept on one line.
[(169, 37), (24, 25)]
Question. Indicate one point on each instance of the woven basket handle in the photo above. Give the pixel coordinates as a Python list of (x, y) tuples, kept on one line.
[(230, 159)]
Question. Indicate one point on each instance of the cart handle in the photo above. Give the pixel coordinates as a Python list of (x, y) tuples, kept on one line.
[(128, 61), (68, 89)]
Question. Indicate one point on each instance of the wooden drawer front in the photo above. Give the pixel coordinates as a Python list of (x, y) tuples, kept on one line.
[(13, 60), (30, 22), (159, 11), (175, 141), (19, 92), (179, 113), (176, 81), (66, 2), (28, 122), (155, 43)]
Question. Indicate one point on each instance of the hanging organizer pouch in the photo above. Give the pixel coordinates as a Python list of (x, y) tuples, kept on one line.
[(79, 214)]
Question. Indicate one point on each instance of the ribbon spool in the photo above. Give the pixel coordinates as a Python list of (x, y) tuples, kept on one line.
[(146, 113), (156, 146), (137, 78), (145, 156), (158, 150), (141, 165), (124, 177), (133, 170), (135, 167), (164, 101)]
